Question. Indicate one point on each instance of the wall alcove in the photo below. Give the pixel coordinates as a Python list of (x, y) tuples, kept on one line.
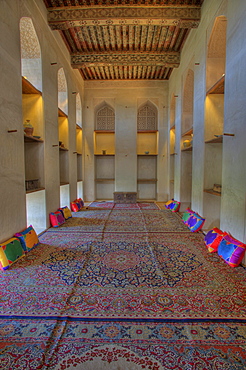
[(214, 122), (186, 140), (32, 109), (147, 151), (104, 151)]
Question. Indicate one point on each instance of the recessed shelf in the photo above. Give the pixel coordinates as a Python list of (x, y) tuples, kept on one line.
[(28, 88), (188, 132), (211, 191), (146, 155), (78, 127), (218, 87), (64, 183), (61, 113), (104, 155), (104, 180), (31, 139), (189, 149), (104, 131), (172, 181), (172, 128), (216, 140), (61, 148), (34, 190)]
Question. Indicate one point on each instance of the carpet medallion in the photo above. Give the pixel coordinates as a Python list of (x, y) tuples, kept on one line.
[(126, 288)]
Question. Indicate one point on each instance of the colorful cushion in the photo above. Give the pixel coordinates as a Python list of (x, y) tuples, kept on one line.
[(66, 212), (195, 222), (81, 202), (213, 239), (28, 238), (56, 218), (186, 215), (174, 205), (10, 251), (231, 250), (168, 203), (74, 207)]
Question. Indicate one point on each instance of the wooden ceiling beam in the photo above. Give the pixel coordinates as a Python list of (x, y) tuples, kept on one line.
[(65, 17), (169, 59)]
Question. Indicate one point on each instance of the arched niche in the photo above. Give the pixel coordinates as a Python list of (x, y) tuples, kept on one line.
[(216, 52), (147, 117), (104, 118), (188, 97), (31, 63), (62, 91)]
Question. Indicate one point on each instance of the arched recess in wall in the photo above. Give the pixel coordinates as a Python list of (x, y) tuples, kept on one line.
[(31, 63), (79, 146), (186, 139), (214, 122), (172, 149), (104, 151), (63, 131), (147, 151), (33, 121), (104, 118)]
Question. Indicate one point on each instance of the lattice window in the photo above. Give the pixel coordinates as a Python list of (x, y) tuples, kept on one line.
[(147, 118), (105, 119)]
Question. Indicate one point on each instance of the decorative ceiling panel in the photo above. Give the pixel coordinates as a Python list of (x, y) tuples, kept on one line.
[(124, 40)]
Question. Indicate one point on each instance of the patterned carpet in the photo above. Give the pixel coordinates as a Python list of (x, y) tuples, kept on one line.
[(122, 289)]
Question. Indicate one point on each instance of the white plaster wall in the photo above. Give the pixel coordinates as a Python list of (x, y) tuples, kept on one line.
[(125, 98), (194, 56), (233, 210), (12, 172), (12, 167)]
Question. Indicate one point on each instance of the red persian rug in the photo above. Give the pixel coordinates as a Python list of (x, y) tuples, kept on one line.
[(122, 289)]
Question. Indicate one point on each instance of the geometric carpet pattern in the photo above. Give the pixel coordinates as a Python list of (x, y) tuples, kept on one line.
[(122, 288)]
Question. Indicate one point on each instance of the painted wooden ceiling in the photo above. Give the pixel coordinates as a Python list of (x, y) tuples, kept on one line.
[(124, 40)]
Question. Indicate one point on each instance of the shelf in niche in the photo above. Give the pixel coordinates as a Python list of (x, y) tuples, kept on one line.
[(218, 87), (172, 181), (31, 139), (28, 88), (189, 149), (78, 127), (147, 155), (34, 190), (64, 183), (104, 131), (146, 180), (103, 155), (211, 191), (172, 127), (61, 148), (187, 133), (216, 140), (104, 180), (171, 154), (79, 153), (61, 113)]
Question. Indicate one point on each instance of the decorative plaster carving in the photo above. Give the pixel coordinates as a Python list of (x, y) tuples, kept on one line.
[(105, 119), (171, 58), (147, 118), (30, 48), (121, 14)]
